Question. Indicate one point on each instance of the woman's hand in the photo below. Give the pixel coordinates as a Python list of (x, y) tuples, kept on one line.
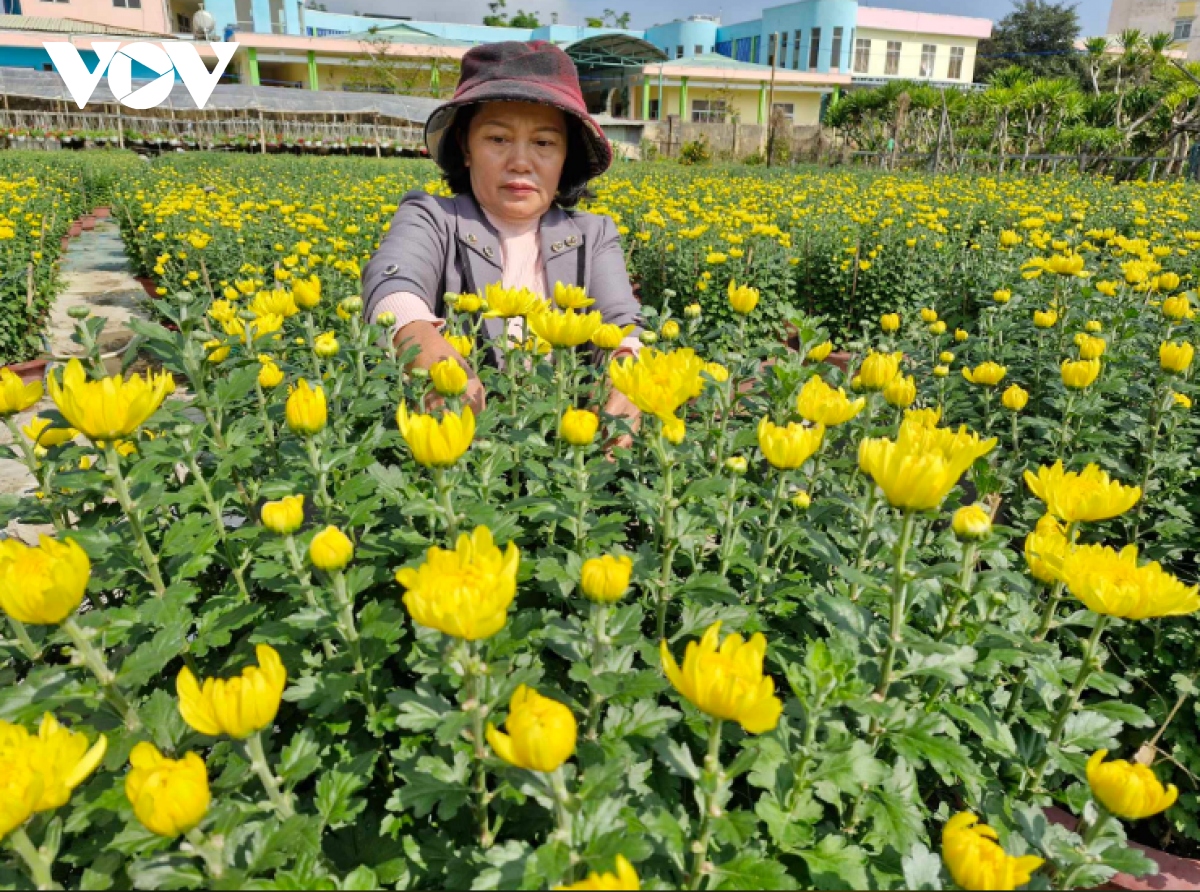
[(433, 348), (619, 406)]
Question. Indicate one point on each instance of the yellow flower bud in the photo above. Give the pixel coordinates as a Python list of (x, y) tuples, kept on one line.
[(670, 330), (717, 372), (929, 315), (42, 585), (1015, 398), (541, 732), (306, 410), (1002, 295), (578, 426), (330, 550), (945, 357), (1175, 357), (326, 345), (169, 796), (736, 464), (960, 335), (1045, 318), (1094, 326), (890, 322), (284, 516), (938, 329), (742, 298), (270, 375), (449, 377), (307, 292), (437, 443), (1177, 308), (802, 500), (788, 447), (819, 352), (606, 579), (986, 374), (1167, 282), (901, 391), (976, 861), (692, 311), (462, 343), (941, 371), (971, 522), (878, 369), (1080, 374), (469, 303), (1182, 400), (625, 878), (1090, 347), (1128, 791)]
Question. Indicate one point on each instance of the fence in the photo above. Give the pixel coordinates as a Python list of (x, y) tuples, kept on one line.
[(1149, 167)]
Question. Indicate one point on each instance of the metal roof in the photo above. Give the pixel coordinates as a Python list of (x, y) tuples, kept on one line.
[(47, 85), (716, 60), (68, 26), (403, 34), (613, 51)]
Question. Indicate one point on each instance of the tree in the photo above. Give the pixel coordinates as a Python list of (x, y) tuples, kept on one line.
[(500, 18), (609, 19), (1037, 35)]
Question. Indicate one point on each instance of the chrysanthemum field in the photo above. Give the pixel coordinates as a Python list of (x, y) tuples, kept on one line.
[(897, 574)]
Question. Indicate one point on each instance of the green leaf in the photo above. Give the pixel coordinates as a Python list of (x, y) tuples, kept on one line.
[(925, 741), (677, 757), (300, 758), (834, 864), (361, 878), (1089, 731), (895, 810), (751, 870), (432, 783), (995, 735), (644, 718), (922, 869), (335, 790), (849, 771), (421, 709)]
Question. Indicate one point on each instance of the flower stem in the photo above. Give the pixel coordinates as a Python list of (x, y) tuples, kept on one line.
[(94, 660), (600, 641), (712, 766), (306, 583), (581, 506), (281, 800), (207, 850), (39, 865), (864, 537), (666, 538), (311, 331), (474, 687), (966, 580), (121, 490), (262, 412), (27, 646), (729, 527), (349, 632), (768, 544), (1068, 704), (899, 593), (445, 490), (314, 459)]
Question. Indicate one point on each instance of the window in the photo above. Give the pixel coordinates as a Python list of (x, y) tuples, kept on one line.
[(183, 21), (891, 64), (862, 55), (835, 50), (783, 50), (956, 62), (787, 108), (1183, 29), (245, 15), (679, 52), (796, 50), (127, 4), (754, 48), (928, 57), (699, 50), (653, 110), (814, 49), (708, 111)]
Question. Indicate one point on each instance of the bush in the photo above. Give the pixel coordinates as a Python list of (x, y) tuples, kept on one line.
[(694, 152)]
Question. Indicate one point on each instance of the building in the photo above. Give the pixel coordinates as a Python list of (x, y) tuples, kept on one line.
[(699, 69), (1156, 17)]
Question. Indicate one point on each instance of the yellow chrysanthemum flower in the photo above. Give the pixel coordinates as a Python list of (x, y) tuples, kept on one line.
[(976, 861), (1088, 495), (111, 408), (464, 593), (1128, 791), (437, 443), (43, 585), (541, 732), (659, 383), (15, 395), (238, 706), (169, 796), (918, 469), (725, 679), (1111, 583), (820, 403), (788, 447), (565, 328)]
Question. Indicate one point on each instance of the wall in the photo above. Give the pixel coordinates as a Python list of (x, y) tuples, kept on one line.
[(910, 55), (151, 17), (1153, 16), (689, 35), (739, 99), (729, 142), (804, 17)]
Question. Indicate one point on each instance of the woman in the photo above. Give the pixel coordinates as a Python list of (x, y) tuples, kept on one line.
[(517, 148)]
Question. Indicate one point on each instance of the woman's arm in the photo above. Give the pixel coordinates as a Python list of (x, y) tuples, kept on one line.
[(433, 348)]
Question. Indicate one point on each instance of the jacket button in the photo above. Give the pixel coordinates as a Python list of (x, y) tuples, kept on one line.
[(471, 238), (572, 241), (391, 269), (557, 246), (488, 252)]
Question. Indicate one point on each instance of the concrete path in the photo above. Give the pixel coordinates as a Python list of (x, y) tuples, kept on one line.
[(97, 276)]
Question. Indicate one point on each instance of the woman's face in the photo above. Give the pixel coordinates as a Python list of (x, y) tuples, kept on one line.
[(515, 153)]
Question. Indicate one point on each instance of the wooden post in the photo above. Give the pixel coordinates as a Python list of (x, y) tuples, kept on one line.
[(262, 134), (375, 127), (120, 129)]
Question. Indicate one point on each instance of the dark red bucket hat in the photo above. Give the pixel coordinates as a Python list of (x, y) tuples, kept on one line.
[(514, 71)]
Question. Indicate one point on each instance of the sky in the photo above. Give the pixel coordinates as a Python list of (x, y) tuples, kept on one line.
[(1093, 14)]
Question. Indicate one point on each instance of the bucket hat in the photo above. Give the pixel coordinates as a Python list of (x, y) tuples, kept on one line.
[(515, 71)]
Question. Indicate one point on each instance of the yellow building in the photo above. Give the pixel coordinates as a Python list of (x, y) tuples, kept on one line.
[(893, 44)]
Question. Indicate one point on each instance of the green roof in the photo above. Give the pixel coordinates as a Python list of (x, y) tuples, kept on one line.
[(402, 34), (714, 60)]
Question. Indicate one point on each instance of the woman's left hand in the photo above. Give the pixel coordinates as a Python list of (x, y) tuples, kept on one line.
[(619, 406)]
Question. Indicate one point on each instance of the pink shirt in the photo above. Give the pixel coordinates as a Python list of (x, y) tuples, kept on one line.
[(521, 267)]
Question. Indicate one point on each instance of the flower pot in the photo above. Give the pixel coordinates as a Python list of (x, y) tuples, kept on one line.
[(75, 231), (839, 358), (64, 242), (33, 370), (102, 213), (1173, 872), (149, 285), (88, 222)]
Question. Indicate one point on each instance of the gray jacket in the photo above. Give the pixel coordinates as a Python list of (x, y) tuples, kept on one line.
[(437, 245)]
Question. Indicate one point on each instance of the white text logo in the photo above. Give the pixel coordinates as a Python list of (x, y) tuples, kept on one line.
[(164, 61)]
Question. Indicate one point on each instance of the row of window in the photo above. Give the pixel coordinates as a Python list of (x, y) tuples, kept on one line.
[(891, 61), (716, 111), (697, 50), (814, 49), (120, 4)]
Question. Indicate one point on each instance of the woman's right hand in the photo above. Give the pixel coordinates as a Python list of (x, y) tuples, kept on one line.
[(433, 348)]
